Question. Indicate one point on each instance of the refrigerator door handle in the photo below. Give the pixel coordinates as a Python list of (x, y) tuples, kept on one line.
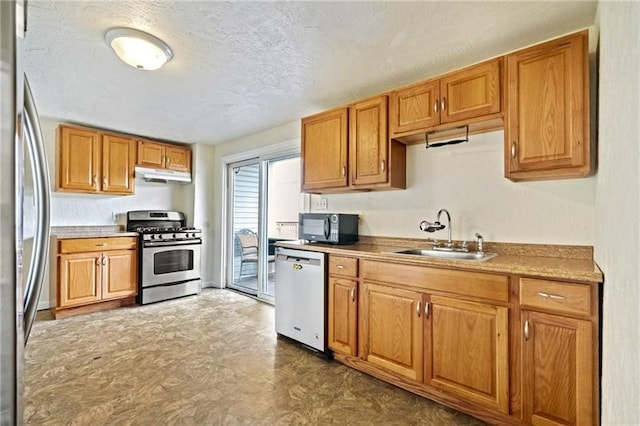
[(39, 258)]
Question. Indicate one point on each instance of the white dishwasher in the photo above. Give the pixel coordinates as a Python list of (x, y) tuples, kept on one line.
[(301, 295)]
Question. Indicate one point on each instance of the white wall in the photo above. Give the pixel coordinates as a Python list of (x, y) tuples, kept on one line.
[(468, 180), (617, 209), (203, 204), (86, 209)]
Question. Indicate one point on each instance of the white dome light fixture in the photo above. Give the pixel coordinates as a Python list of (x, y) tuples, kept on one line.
[(139, 49)]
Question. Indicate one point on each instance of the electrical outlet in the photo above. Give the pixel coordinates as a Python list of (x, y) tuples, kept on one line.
[(320, 203)]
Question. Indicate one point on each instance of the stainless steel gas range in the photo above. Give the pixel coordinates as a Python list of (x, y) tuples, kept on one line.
[(169, 255)]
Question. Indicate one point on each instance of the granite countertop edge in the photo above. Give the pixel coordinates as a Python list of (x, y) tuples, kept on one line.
[(558, 268), (72, 232)]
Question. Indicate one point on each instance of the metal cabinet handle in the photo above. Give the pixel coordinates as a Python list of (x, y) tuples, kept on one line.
[(98, 261), (435, 106), (167, 160), (382, 166), (418, 308), (104, 260), (526, 330), (426, 310), (513, 149), (353, 294), (104, 181), (340, 266), (101, 244), (551, 296), (443, 104), (344, 171)]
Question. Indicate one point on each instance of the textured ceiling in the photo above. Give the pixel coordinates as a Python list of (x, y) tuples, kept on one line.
[(242, 67)]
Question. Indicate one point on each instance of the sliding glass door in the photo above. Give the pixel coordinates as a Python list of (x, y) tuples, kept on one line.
[(263, 203)]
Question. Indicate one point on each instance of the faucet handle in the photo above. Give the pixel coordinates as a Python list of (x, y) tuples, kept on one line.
[(464, 246)]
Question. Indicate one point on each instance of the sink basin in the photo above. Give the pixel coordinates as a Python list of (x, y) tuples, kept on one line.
[(443, 254)]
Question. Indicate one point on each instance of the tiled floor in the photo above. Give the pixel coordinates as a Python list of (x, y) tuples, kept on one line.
[(212, 359)]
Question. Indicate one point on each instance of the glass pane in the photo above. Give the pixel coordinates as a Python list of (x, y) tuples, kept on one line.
[(245, 187), (167, 262)]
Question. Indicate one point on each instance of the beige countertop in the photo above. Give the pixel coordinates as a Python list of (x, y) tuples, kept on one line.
[(573, 263), (69, 232)]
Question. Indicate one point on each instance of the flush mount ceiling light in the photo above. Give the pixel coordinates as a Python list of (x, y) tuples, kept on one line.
[(139, 49)]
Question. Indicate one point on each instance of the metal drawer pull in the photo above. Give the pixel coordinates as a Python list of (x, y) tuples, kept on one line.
[(382, 166), (340, 266), (353, 294), (101, 244), (426, 310), (418, 308), (551, 296), (526, 330), (344, 171)]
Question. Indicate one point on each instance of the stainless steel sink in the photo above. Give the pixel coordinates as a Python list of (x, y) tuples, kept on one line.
[(444, 254)]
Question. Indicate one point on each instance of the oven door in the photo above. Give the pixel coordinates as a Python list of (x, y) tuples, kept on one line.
[(165, 262)]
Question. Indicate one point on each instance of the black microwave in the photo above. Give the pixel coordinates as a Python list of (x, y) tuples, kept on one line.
[(328, 227)]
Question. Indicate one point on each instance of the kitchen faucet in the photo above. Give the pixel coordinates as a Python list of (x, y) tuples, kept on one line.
[(437, 226)]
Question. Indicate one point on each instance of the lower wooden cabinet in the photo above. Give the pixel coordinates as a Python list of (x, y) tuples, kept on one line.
[(94, 271), (466, 350), (392, 329), (343, 305), (558, 370), (506, 349)]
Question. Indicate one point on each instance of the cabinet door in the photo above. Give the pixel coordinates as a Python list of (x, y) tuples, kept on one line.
[(368, 142), (415, 107), (118, 161), (324, 151), (558, 373), (178, 158), (466, 351), (392, 329), (343, 315), (119, 274), (79, 279), (151, 154), (78, 160), (547, 125), (470, 93)]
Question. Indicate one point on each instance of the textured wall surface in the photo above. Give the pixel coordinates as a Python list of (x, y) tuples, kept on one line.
[(241, 67), (617, 209)]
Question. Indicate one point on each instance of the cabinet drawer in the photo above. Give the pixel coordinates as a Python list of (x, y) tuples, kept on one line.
[(345, 266), (555, 296), (80, 245), (424, 278)]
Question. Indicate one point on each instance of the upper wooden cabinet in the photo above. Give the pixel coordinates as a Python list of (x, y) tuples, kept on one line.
[(547, 133), (164, 156), (350, 149), (94, 162), (462, 97), (324, 151)]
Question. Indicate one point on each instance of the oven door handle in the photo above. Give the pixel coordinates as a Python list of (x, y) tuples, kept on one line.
[(171, 243)]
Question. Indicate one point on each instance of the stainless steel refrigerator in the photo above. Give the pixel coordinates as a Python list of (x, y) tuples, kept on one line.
[(21, 149)]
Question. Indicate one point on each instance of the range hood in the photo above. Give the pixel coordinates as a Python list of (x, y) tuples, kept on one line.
[(163, 175)]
